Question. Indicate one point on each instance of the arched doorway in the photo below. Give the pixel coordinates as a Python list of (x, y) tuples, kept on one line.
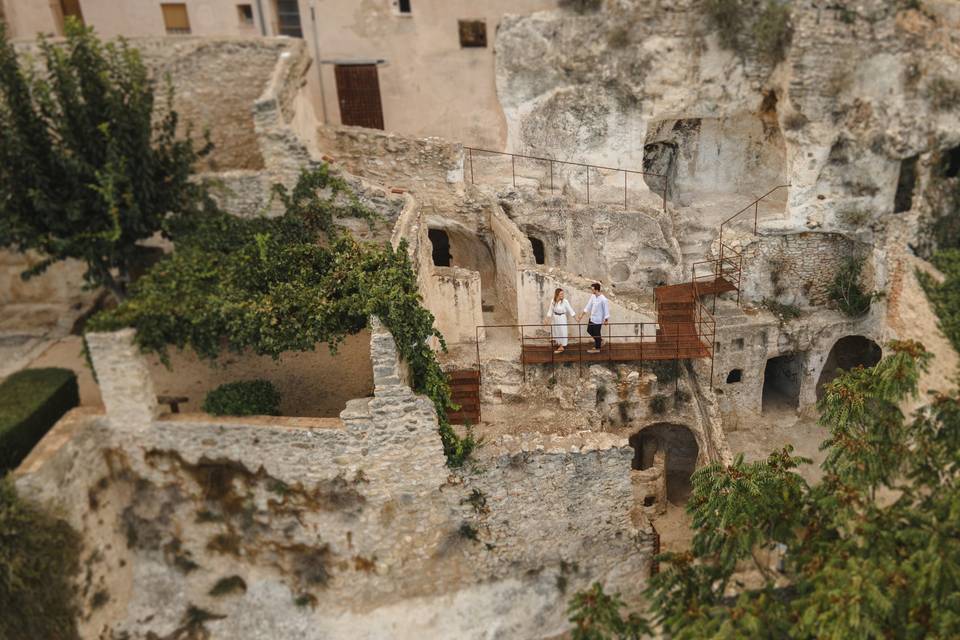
[(848, 352), (680, 456)]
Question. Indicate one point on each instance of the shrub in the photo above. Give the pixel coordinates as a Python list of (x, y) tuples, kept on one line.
[(943, 93), (666, 370), (783, 311), (581, 6), (39, 557), (31, 402), (846, 291), (945, 296), (596, 615), (740, 26), (658, 404), (244, 398)]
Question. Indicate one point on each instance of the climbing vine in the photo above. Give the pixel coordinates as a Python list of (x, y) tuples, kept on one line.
[(270, 285)]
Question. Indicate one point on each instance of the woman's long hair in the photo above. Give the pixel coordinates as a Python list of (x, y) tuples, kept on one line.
[(556, 295)]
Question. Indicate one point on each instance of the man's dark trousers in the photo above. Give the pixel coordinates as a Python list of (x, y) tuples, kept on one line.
[(595, 330)]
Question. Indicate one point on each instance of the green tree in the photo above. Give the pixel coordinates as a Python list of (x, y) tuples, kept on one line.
[(287, 283), (871, 551), (89, 165)]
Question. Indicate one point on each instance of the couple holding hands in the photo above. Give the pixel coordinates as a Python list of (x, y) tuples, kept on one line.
[(597, 312)]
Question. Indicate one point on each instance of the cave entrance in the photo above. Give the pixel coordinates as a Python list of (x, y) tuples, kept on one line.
[(680, 456), (781, 382), (848, 352), (739, 154), (539, 254), (903, 199), (441, 247)]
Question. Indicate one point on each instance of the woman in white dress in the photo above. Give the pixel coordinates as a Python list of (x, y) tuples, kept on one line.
[(559, 310)]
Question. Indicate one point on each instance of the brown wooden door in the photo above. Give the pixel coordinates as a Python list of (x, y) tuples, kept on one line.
[(358, 89), (71, 8)]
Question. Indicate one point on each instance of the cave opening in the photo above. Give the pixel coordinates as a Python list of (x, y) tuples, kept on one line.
[(848, 352), (539, 254), (680, 456), (441, 247), (903, 200), (781, 382)]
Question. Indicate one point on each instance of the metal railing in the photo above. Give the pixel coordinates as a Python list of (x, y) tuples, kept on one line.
[(755, 205), (550, 162), (644, 341), (729, 267)]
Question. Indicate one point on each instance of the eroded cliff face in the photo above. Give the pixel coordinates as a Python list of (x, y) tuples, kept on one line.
[(855, 96)]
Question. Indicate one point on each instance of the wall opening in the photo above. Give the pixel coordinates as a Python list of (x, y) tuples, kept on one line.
[(903, 200), (441, 247), (950, 163), (539, 254), (735, 376), (680, 456), (848, 352), (781, 382)]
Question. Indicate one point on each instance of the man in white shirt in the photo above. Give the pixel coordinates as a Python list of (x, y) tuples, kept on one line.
[(598, 312)]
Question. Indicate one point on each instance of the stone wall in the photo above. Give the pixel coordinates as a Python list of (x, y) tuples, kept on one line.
[(393, 160), (799, 268), (335, 524)]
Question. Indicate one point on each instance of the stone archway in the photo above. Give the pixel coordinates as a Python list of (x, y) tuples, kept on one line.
[(781, 382), (848, 352), (674, 445)]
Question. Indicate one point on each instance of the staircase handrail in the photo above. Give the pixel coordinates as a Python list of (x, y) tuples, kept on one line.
[(514, 156), (756, 213)]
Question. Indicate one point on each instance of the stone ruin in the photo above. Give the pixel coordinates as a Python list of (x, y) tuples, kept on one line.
[(348, 522)]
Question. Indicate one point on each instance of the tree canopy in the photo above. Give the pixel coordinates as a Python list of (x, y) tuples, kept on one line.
[(287, 283), (90, 164), (871, 551)]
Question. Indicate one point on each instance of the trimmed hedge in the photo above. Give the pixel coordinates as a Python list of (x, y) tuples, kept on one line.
[(31, 402), (245, 398)]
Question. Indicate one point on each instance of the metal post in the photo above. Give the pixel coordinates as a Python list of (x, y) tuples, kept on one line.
[(523, 359), (676, 365), (513, 169), (471, 165), (579, 349), (479, 377), (609, 343)]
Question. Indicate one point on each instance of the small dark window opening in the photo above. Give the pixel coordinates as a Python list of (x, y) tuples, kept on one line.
[(738, 344), (903, 200), (245, 13), (735, 376), (539, 255), (473, 33), (441, 247), (403, 6), (951, 163), (649, 501)]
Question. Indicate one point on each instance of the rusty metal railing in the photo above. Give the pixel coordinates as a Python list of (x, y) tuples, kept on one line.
[(551, 162), (755, 205), (644, 341)]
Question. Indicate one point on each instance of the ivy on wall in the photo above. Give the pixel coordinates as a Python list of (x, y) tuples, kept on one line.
[(270, 285)]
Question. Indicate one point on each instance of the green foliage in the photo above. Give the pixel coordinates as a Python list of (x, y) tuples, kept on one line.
[(658, 404), (847, 293), (39, 558), (943, 93), (243, 398), (743, 26), (945, 296), (666, 371), (31, 402), (596, 616), (89, 165), (581, 6), (270, 285), (785, 312), (853, 566), (228, 585)]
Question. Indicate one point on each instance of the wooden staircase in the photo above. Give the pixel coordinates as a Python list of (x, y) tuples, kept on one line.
[(465, 392)]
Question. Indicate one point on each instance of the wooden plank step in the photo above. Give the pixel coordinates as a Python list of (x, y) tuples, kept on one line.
[(463, 374)]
